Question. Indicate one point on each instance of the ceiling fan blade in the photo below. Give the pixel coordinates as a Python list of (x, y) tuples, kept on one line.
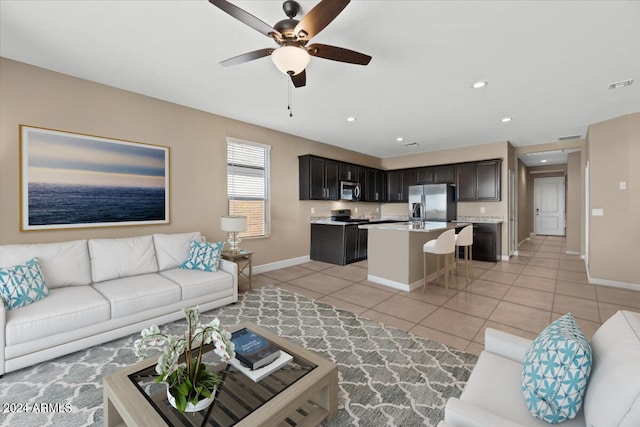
[(246, 57), (299, 79), (338, 54), (319, 17), (246, 18)]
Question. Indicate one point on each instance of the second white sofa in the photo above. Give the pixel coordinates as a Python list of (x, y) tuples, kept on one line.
[(103, 289), (493, 394)]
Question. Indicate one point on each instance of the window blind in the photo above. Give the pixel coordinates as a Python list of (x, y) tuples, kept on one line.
[(248, 185)]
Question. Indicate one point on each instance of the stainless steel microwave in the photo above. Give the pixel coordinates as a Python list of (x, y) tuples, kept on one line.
[(349, 190)]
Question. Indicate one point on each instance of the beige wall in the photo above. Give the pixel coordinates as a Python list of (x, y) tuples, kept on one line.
[(496, 150), (614, 156), (197, 141)]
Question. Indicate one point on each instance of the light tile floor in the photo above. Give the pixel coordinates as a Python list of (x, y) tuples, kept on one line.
[(520, 296)]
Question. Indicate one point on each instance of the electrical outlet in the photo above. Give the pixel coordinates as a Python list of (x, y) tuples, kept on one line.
[(356, 210), (482, 209), (313, 210), (377, 210), (623, 185)]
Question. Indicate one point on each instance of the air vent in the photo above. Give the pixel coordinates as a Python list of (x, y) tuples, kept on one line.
[(568, 137), (411, 144), (620, 84)]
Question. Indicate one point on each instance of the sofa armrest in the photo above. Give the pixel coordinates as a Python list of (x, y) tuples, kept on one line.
[(3, 330), (505, 344), (231, 268), (459, 413)]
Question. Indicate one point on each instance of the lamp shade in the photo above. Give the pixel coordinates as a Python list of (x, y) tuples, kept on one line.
[(233, 223), (290, 59)]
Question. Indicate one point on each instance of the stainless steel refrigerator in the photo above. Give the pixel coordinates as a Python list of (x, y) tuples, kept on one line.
[(432, 202)]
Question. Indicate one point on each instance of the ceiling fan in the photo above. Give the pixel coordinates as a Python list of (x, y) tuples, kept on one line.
[(293, 55)]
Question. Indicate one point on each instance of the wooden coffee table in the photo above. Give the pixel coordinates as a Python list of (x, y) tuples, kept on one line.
[(304, 392)]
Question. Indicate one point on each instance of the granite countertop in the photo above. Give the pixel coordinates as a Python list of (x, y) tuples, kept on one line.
[(480, 219), (414, 227), (328, 221)]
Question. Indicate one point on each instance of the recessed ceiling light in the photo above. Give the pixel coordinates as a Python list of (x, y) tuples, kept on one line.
[(351, 119), (543, 161), (480, 84), (399, 139), (506, 119)]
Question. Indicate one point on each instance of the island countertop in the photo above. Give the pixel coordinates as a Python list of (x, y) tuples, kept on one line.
[(427, 227)]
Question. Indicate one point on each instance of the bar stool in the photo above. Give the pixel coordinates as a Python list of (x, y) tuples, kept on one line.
[(445, 245), (465, 239)]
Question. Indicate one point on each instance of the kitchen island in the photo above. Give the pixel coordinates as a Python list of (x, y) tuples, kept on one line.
[(395, 252)]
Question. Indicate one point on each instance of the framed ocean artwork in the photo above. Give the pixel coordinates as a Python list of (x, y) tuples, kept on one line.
[(72, 180)]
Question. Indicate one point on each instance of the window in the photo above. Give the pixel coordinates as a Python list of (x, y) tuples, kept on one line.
[(248, 184)]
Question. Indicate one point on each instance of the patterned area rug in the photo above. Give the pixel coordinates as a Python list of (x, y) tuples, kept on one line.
[(387, 377)]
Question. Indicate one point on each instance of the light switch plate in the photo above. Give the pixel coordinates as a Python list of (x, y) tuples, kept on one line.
[(597, 212), (623, 185)]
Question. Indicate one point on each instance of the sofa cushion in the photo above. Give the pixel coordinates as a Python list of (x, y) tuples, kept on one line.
[(173, 249), (613, 395), (22, 284), (555, 371), (63, 264), (55, 314), (203, 256), (114, 258), (129, 295), (196, 283)]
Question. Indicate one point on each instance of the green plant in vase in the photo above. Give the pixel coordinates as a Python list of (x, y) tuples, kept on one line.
[(190, 384)]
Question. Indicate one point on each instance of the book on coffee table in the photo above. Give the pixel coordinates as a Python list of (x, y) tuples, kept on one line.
[(258, 374), (253, 350)]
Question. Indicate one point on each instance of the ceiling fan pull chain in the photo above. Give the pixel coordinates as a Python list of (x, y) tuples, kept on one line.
[(290, 98)]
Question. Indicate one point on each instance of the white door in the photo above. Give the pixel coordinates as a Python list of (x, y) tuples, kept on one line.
[(549, 209)]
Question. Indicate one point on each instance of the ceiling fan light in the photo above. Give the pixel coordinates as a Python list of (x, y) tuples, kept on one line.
[(290, 60)]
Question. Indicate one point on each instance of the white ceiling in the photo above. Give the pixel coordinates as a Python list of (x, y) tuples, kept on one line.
[(548, 64)]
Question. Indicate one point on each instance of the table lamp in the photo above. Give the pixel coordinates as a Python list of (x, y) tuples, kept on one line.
[(233, 224)]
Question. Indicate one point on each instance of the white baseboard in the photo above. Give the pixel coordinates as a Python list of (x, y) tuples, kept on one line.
[(504, 257), (393, 284), (614, 284), (258, 269)]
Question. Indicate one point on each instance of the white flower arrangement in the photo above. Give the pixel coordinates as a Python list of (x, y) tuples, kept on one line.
[(188, 382)]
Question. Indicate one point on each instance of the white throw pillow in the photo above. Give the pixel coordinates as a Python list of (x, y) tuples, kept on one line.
[(114, 258), (173, 249)]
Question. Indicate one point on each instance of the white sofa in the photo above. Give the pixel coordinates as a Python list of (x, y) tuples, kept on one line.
[(102, 289), (493, 397)]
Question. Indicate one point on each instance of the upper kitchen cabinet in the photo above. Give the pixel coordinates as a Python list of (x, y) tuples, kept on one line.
[(374, 185), (437, 174), (478, 181), (348, 172), (398, 182), (318, 178)]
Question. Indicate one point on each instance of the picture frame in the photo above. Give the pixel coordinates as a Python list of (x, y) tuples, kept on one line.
[(74, 180)]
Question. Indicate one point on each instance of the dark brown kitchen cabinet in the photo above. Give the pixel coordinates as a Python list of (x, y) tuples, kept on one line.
[(398, 183), (478, 181), (318, 178), (444, 174), (374, 185), (348, 172), (488, 180), (487, 242), (437, 174), (338, 244)]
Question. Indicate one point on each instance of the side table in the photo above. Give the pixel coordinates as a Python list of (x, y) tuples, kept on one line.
[(244, 261)]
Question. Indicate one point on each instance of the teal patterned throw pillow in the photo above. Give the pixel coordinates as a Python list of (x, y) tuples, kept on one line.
[(21, 285), (556, 370), (203, 256)]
